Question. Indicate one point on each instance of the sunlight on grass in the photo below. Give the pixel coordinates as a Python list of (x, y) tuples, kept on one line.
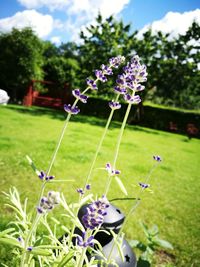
[(175, 204)]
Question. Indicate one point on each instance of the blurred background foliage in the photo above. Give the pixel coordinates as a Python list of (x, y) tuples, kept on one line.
[(173, 64)]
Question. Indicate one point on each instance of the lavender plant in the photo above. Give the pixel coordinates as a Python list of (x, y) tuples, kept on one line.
[(96, 236)]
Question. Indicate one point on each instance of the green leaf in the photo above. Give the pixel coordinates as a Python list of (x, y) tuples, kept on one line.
[(133, 243), (10, 241), (41, 252), (7, 231), (32, 165), (66, 259), (32, 264), (163, 243), (121, 186)]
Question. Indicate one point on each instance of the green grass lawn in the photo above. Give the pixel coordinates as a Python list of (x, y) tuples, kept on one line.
[(175, 204)]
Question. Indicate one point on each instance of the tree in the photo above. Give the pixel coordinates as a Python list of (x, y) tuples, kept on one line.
[(172, 67), (20, 61), (61, 66)]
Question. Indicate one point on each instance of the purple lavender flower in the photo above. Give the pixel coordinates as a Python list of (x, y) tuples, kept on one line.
[(48, 203), (76, 93), (140, 87), (143, 185), (80, 191), (134, 74), (157, 158), (96, 211), (120, 90), (121, 79), (111, 171), (83, 242), (70, 109), (106, 70), (92, 84), (88, 186), (114, 105), (30, 248), (115, 62), (42, 175), (100, 76), (132, 99)]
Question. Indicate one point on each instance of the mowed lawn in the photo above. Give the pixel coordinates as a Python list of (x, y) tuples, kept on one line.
[(175, 204)]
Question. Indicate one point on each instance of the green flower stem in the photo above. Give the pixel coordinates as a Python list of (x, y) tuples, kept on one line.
[(100, 144), (82, 256), (137, 200), (26, 242), (118, 145)]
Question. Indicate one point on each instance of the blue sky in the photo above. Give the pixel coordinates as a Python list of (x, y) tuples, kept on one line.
[(62, 20)]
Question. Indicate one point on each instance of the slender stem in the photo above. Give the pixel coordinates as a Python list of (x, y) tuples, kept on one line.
[(137, 199), (28, 239), (118, 145), (82, 256), (100, 144)]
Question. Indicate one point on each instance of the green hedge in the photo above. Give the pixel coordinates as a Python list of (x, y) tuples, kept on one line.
[(158, 118)]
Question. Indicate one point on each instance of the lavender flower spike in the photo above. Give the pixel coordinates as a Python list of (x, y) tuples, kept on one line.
[(96, 211), (76, 93), (114, 105), (70, 109)]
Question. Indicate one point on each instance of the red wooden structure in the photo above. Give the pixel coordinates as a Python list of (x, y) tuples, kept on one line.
[(33, 97)]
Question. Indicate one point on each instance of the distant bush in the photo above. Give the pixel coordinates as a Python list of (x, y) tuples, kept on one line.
[(160, 118)]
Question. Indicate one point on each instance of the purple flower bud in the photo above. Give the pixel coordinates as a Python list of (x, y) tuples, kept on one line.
[(42, 175), (111, 171), (30, 248), (82, 242), (40, 210), (100, 75), (132, 99), (80, 191), (157, 158), (140, 87), (91, 83), (106, 70), (51, 177), (76, 93), (114, 105), (88, 187), (70, 109), (143, 185), (120, 90), (116, 61), (20, 239)]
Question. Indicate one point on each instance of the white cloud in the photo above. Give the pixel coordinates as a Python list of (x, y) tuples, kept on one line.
[(90, 7), (79, 12), (50, 4), (173, 22), (56, 40), (41, 24)]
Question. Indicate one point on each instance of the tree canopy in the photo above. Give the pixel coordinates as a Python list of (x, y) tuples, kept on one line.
[(173, 64)]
